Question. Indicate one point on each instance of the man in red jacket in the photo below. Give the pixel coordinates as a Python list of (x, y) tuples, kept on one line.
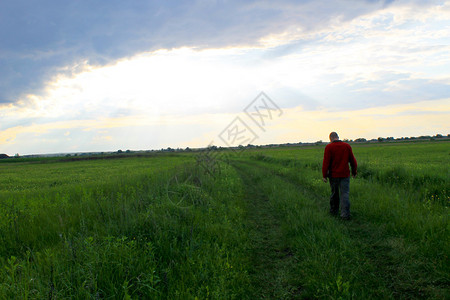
[(336, 158)]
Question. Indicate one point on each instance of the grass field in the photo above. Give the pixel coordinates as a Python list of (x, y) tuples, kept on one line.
[(160, 227)]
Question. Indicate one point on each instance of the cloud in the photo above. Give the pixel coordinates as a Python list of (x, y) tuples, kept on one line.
[(296, 124), (43, 39), (150, 69), (390, 120)]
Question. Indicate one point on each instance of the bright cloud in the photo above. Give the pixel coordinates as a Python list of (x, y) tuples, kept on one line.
[(296, 124), (374, 72)]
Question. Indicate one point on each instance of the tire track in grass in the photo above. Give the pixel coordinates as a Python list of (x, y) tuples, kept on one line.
[(273, 274), (388, 263), (368, 237)]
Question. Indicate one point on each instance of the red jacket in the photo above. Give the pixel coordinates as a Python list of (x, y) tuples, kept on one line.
[(336, 158)]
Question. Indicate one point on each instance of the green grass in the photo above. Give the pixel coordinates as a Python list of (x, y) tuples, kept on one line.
[(147, 228), (397, 244), (160, 227)]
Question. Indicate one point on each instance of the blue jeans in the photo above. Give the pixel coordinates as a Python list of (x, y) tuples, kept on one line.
[(340, 189)]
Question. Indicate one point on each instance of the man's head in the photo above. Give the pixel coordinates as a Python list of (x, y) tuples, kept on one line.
[(334, 136)]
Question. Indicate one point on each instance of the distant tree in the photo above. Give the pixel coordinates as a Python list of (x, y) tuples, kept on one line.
[(128, 151), (3, 156), (119, 151), (360, 140), (16, 155), (439, 136), (187, 149), (380, 139)]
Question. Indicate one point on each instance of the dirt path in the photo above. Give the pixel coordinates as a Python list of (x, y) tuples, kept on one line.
[(273, 276), (379, 250)]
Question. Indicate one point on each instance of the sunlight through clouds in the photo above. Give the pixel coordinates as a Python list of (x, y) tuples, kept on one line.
[(297, 124), (396, 55)]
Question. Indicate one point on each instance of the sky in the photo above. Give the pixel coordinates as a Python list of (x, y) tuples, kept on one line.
[(81, 76)]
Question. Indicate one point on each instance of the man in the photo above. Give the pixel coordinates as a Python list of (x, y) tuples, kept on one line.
[(336, 158)]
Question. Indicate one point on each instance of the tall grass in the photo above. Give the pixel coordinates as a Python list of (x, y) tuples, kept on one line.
[(163, 234), (162, 228), (397, 244)]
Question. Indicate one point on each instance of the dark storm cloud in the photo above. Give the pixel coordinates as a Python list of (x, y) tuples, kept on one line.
[(42, 38)]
